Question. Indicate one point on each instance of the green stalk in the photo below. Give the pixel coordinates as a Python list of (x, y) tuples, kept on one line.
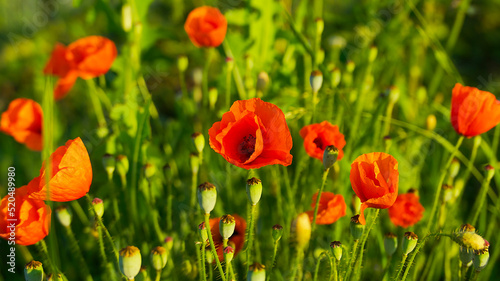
[(318, 263), (203, 270), (102, 251), (325, 175), (352, 262), (249, 238), (158, 275), (273, 259), (236, 72), (212, 246), (481, 199), (75, 249), (296, 264), (42, 248), (229, 70), (198, 257), (228, 264), (106, 232), (401, 267), (96, 104), (206, 69), (79, 212), (194, 184), (364, 238)]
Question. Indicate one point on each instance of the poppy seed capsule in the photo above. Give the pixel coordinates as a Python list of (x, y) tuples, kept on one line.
[(336, 76), (226, 226), (277, 232), (63, 215), (430, 122), (199, 141), (336, 248), (481, 259), (109, 163), (212, 96), (158, 258), (33, 271), (60, 277), (356, 227), (254, 190), (409, 242), (316, 80), (149, 170), (207, 197), (98, 207), (209, 256), (330, 156), (466, 256), (130, 261), (122, 165), (202, 231), (262, 80), (228, 254), (182, 63), (454, 168), (257, 272), (169, 243), (373, 54), (142, 275), (390, 243), (301, 228), (320, 26)]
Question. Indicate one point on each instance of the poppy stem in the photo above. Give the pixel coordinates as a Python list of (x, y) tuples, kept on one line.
[(96, 104), (318, 263), (273, 259), (401, 266), (364, 238), (249, 239), (353, 260), (203, 270), (75, 249), (443, 172), (325, 175), (42, 248), (481, 199), (212, 246), (206, 69), (236, 72)]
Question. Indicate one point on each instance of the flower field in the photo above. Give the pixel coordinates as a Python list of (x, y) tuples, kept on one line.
[(249, 140)]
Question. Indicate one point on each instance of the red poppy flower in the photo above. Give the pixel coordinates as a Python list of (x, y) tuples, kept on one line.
[(71, 174), (87, 58), (473, 111), (252, 134), (23, 121), (31, 218), (206, 27), (374, 178), (318, 136), (236, 240), (331, 208), (407, 210)]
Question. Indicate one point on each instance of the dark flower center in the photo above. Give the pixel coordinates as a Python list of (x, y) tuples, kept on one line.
[(247, 147), (319, 143)]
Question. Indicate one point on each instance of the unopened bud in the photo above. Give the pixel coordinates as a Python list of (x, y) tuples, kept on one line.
[(109, 163), (490, 172), (356, 227), (182, 63), (130, 261), (350, 66), (209, 256), (373, 54), (277, 232), (336, 248), (122, 165), (320, 26), (168, 243), (336, 76), (390, 244), (356, 203), (142, 275), (316, 80), (431, 122), (33, 271), (126, 17), (257, 272), (394, 94), (466, 256), (254, 190), (212, 97), (481, 259), (149, 170), (454, 168), (467, 237), (98, 205), (202, 231), (227, 224), (262, 81), (409, 242), (199, 141), (301, 229), (330, 156), (228, 254), (207, 197), (158, 258), (63, 215)]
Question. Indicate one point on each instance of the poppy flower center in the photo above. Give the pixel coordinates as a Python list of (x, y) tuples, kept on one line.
[(247, 147), (319, 143)]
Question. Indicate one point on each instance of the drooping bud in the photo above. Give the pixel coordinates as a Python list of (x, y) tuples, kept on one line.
[(301, 230), (182, 63), (481, 259), (356, 227), (316, 80), (109, 163), (130, 261), (336, 248), (257, 272), (390, 243), (409, 242), (98, 207), (227, 224), (202, 231), (33, 271), (254, 190), (158, 258), (207, 197), (122, 165), (199, 141), (63, 215), (228, 254), (330, 156), (277, 232), (431, 122)]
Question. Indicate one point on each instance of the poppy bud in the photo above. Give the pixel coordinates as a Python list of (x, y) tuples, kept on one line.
[(454, 168), (490, 171), (301, 228), (158, 258), (336, 76), (33, 271), (169, 242), (337, 42), (195, 162), (199, 141), (109, 162), (431, 122), (390, 243), (202, 231), (330, 156), (320, 56), (316, 80), (149, 170), (142, 275), (226, 226), (356, 227), (466, 256), (393, 94), (320, 26), (122, 165), (60, 277), (254, 190), (409, 242), (356, 203), (262, 81), (63, 215), (373, 54), (207, 196), (336, 248), (228, 254), (277, 232), (477, 141), (481, 259), (182, 63), (209, 256), (257, 272), (130, 261), (98, 207), (126, 17), (468, 238), (350, 66), (212, 96)]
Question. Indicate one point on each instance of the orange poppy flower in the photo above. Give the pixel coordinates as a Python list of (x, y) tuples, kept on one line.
[(31, 218), (252, 134), (320, 135), (71, 174), (407, 210), (87, 58), (331, 208), (23, 121), (473, 111), (374, 179), (236, 240), (206, 27)]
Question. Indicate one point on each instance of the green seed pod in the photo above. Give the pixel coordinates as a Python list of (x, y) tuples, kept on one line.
[(169, 243), (481, 259), (257, 272), (277, 232), (466, 256), (330, 156), (390, 243), (228, 254), (199, 141), (356, 227), (350, 66), (454, 168), (227, 224), (254, 190), (213, 94), (98, 207), (202, 231), (336, 77), (130, 261), (207, 197), (109, 163), (336, 248), (33, 271), (63, 215), (262, 81), (149, 171), (431, 122), (158, 258), (373, 54), (301, 229), (209, 256), (316, 80), (320, 26), (122, 165), (143, 275), (409, 242), (182, 63)]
